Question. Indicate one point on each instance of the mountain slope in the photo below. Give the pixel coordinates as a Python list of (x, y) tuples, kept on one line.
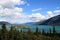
[(3, 22), (30, 23), (54, 20)]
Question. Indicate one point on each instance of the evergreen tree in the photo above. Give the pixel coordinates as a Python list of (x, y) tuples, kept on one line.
[(4, 32), (21, 30), (49, 30), (54, 31), (43, 32), (29, 31), (37, 31), (4, 28), (11, 33)]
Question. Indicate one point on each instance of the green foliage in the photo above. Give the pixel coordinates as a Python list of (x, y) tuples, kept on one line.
[(29, 31)]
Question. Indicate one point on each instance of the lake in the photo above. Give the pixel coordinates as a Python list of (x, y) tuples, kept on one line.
[(40, 27), (45, 27)]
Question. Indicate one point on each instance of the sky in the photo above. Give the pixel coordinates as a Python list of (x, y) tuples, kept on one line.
[(23, 11)]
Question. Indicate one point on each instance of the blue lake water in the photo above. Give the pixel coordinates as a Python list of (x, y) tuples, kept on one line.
[(40, 27), (45, 27)]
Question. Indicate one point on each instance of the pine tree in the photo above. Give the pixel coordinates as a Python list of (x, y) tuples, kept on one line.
[(11, 33), (4, 28), (37, 31), (4, 32), (54, 31), (29, 31), (49, 30), (43, 32)]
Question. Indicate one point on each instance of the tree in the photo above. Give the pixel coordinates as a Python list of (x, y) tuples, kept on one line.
[(29, 31), (54, 31), (11, 33), (4, 32), (4, 28), (43, 32), (37, 31), (49, 30)]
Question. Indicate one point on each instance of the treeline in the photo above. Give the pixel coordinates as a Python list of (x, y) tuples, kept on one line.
[(14, 34)]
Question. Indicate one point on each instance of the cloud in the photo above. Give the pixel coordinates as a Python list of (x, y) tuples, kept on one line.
[(14, 14), (11, 3), (36, 17), (57, 11), (36, 9), (52, 13), (10, 13), (49, 13)]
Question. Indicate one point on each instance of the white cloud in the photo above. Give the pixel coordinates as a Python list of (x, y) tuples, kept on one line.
[(49, 14), (36, 9), (14, 14), (11, 3), (52, 13), (36, 17), (57, 11), (10, 13)]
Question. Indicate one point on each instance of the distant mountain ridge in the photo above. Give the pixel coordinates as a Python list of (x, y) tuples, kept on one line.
[(4, 22), (30, 23), (54, 20)]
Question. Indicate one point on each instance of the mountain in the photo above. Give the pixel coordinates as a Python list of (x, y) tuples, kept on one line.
[(4, 22), (54, 20), (30, 23)]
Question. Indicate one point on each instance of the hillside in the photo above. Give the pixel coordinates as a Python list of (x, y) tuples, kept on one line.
[(54, 20), (3, 22)]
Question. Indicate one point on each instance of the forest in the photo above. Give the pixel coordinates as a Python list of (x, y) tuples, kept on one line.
[(14, 34)]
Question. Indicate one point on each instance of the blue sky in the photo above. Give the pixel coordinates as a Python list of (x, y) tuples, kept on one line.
[(46, 5), (23, 11)]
